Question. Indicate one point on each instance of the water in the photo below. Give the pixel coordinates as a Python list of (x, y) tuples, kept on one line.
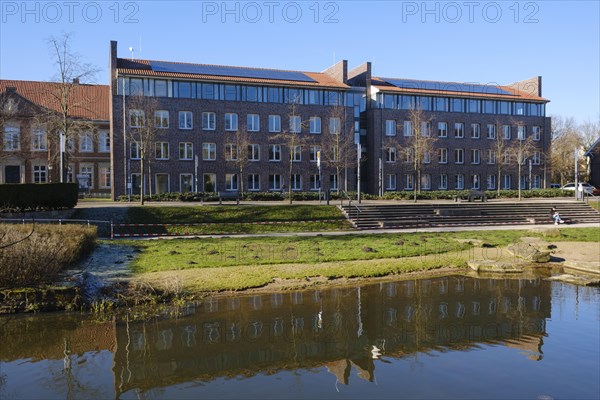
[(449, 337)]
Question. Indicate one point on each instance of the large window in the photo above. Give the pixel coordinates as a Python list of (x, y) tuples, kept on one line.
[(426, 182), (185, 120), (334, 126), (506, 132), (231, 152), (408, 128), (134, 151), (315, 124), (475, 131), (506, 182), (231, 122), (104, 141), (104, 176), (295, 124), (521, 132), (315, 183), (39, 139), (186, 183), (275, 182), (459, 182), (186, 151), (136, 118), (40, 174), (253, 152), (491, 156), (390, 182), (536, 133), (459, 156), (536, 158), (475, 156), (161, 119), (162, 150), (209, 151), (274, 123), (475, 181), (491, 182), (274, 152), (443, 182), (314, 152), (86, 142), (253, 122), (296, 182), (297, 153), (459, 130), (231, 182), (208, 121), (442, 129), (443, 156), (12, 137), (253, 182), (390, 127), (390, 155), (409, 182)]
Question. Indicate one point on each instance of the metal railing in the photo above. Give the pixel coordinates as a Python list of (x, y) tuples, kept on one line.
[(350, 205)]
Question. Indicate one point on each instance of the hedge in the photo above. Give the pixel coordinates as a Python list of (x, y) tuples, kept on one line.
[(38, 196)]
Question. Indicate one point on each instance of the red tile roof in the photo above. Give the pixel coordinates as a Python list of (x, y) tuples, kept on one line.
[(384, 86), (87, 101), (142, 68)]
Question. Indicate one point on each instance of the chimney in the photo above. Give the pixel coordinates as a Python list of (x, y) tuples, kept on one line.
[(11, 90), (75, 81)]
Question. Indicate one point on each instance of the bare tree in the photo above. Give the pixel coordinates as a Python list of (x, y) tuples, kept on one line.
[(144, 126), (238, 153), (420, 144), (522, 149), (67, 98), (589, 132), (500, 148), (338, 148)]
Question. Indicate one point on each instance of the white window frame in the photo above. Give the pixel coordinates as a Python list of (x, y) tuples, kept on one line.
[(137, 118), (297, 153), (187, 150), (104, 141), (491, 131), (12, 137), (209, 121), (407, 129), (491, 182), (335, 126), (459, 181), (231, 182), (253, 123), (312, 153), (253, 183), (315, 125), (253, 152), (426, 182), (134, 151), (209, 151), (296, 182), (161, 119), (390, 127), (390, 155), (536, 133), (275, 182), (506, 132), (475, 156), (39, 138), (521, 132), (274, 152), (491, 157), (232, 152), (475, 131), (86, 142), (475, 181), (163, 148), (459, 156), (104, 176), (442, 129), (443, 182), (295, 124), (231, 122), (274, 123), (314, 182), (459, 130), (409, 181), (39, 173), (443, 155), (390, 182)]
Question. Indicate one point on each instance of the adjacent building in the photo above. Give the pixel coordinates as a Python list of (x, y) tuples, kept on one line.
[(32, 148)]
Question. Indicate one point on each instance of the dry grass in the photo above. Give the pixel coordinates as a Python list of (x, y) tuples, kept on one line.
[(32, 255)]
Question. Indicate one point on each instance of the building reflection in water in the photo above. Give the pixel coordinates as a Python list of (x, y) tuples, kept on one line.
[(340, 329)]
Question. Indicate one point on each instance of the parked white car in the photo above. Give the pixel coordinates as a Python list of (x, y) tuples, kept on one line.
[(587, 188)]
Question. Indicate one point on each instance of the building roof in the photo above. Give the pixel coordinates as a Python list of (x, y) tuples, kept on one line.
[(143, 68), (590, 152), (87, 101), (455, 89)]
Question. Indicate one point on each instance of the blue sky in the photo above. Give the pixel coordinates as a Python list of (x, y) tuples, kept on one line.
[(464, 41)]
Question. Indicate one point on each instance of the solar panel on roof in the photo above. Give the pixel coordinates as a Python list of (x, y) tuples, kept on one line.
[(240, 72), (446, 86)]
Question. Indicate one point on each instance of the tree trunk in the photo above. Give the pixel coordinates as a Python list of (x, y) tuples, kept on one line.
[(142, 180)]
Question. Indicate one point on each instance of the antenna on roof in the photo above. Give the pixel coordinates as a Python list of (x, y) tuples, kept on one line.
[(131, 50)]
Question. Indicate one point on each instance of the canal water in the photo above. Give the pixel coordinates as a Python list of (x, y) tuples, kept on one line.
[(450, 337)]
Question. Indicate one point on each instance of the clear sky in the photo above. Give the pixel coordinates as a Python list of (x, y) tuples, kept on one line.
[(462, 41)]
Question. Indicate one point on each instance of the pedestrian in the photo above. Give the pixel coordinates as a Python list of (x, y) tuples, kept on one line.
[(556, 216)]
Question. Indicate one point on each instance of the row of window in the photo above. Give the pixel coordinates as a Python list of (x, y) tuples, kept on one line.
[(231, 150), (137, 119), (253, 182), (454, 104), (391, 127), (459, 182), (39, 140), (40, 174), (248, 93), (459, 156)]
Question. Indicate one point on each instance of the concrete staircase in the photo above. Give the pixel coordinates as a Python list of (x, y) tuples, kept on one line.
[(405, 216)]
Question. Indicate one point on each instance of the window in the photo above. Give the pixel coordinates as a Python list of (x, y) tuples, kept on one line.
[(231, 122), (231, 182), (160, 88), (297, 154), (536, 182), (209, 151), (161, 183), (136, 118), (442, 156), (274, 152), (253, 152), (136, 183), (475, 131), (208, 121), (161, 119), (315, 183), (186, 183), (253, 122), (390, 127), (506, 157), (314, 153), (442, 129), (104, 141), (104, 176), (315, 124), (506, 132), (426, 182), (491, 131), (296, 182), (426, 129), (40, 174), (162, 151), (209, 182), (86, 169), (185, 120), (491, 182), (409, 155), (409, 181), (523, 182), (475, 181), (12, 137), (134, 151), (521, 132), (39, 139), (274, 123), (426, 157), (253, 182), (333, 182), (536, 132), (505, 181), (475, 156), (536, 158), (390, 182), (390, 155), (443, 182), (231, 152), (459, 182), (295, 124), (408, 130), (86, 142), (186, 151), (274, 182), (491, 157), (459, 130), (334, 126), (459, 156)]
